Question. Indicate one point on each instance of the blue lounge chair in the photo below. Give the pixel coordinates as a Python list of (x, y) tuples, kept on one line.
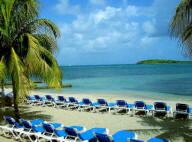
[(61, 102), (55, 131), (32, 128), (49, 133), (73, 103), (31, 100), (13, 127), (120, 136), (40, 100), (87, 104), (103, 105), (84, 136), (121, 105), (161, 107), (140, 106), (49, 101), (182, 109)]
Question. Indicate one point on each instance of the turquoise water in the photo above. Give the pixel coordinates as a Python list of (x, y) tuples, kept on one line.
[(161, 80)]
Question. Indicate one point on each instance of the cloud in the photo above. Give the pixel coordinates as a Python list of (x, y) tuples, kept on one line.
[(148, 27), (100, 31), (118, 31), (63, 7)]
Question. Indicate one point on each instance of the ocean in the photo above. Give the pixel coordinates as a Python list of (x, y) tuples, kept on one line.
[(157, 81)]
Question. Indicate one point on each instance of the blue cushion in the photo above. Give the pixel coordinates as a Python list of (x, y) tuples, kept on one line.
[(78, 128), (56, 125), (168, 108), (112, 104), (130, 105), (122, 136), (157, 140), (190, 109), (148, 107), (38, 129), (88, 135), (36, 121), (60, 133)]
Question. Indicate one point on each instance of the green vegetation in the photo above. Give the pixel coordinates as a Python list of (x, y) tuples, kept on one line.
[(162, 62), (181, 25), (26, 48)]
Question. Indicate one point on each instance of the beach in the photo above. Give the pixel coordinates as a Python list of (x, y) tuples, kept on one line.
[(144, 126)]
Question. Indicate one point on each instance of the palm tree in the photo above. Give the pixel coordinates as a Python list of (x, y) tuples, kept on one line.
[(27, 47), (181, 25)]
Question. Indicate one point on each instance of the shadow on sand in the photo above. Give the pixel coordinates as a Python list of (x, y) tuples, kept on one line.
[(167, 128), (25, 113)]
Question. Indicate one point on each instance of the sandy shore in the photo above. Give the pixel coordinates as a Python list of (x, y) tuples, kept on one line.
[(144, 126)]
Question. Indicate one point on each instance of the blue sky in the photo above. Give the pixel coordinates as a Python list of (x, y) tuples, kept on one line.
[(112, 31)]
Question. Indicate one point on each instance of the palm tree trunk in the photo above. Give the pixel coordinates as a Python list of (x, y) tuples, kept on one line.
[(3, 94), (15, 95)]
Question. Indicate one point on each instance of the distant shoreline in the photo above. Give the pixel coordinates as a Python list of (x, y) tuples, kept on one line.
[(158, 61)]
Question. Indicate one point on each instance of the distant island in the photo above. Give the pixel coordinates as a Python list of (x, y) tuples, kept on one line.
[(157, 61)]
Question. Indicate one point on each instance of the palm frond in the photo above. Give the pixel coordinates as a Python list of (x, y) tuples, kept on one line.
[(41, 63), (17, 72), (47, 42)]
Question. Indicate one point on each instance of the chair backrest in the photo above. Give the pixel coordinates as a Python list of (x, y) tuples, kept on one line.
[(12, 122), (160, 106), (103, 137), (48, 128), (9, 120), (62, 99), (102, 102), (121, 103), (48, 97), (72, 100), (37, 97), (26, 123), (182, 107), (140, 104), (71, 132), (86, 101)]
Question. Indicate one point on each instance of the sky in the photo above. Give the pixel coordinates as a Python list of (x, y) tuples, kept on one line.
[(112, 31)]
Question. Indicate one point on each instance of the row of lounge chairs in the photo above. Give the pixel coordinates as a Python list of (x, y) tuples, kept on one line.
[(36, 130), (103, 105)]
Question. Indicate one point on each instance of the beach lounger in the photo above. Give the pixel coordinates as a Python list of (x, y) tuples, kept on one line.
[(161, 107), (49, 101), (50, 134), (121, 105), (73, 103), (32, 128), (150, 140), (31, 100), (182, 109), (102, 105), (87, 104), (120, 136), (84, 136), (13, 127), (140, 106), (40, 100), (55, 131), (61, 102)]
